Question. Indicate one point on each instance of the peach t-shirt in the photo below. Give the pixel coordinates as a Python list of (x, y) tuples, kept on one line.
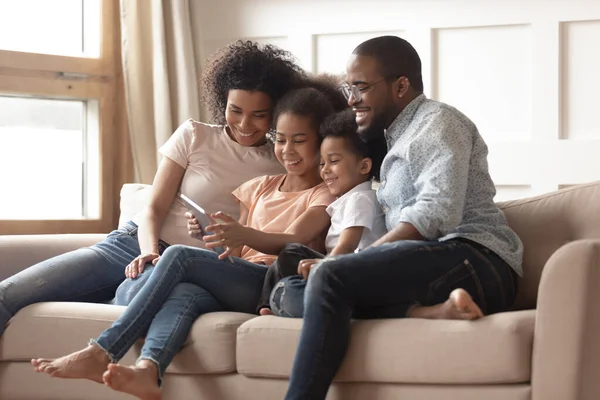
[(271, 210), (215, 165)]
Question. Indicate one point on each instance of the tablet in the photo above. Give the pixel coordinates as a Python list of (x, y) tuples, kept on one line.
[(202, 217)]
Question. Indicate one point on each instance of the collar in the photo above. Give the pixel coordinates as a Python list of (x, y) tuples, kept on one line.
[(397, 127), (361, 187)]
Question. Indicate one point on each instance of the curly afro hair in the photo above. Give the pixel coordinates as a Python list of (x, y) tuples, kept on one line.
[(330, 86), (318, 97), (247, 65), (343, 125)]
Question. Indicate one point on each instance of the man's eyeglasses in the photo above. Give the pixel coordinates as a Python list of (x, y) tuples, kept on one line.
[(355, 91)]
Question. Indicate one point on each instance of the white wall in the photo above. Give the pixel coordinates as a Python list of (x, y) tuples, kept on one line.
[(526, 72)]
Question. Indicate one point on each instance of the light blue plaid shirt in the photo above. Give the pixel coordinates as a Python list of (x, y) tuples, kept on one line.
[(435, 177)]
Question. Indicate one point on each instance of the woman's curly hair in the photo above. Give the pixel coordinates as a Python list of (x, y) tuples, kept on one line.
[(247, 65)]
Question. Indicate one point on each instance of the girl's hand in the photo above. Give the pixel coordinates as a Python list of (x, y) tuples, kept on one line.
[(305, 266), (136, 267), (193, 226), (229, 234)]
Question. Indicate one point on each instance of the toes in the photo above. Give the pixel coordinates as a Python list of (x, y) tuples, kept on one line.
[(114, 368), (474, 309), (474, 312), (107, 378), (38, 362), (50, 370)]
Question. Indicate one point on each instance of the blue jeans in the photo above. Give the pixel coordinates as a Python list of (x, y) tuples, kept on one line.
[(185, 283), (90, 274), (384, 282), (286, 265), (131, 286)]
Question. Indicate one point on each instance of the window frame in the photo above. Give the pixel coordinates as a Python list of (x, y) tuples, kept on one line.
[(39, 75)]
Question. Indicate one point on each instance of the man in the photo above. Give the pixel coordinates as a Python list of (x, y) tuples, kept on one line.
[(448, 253)]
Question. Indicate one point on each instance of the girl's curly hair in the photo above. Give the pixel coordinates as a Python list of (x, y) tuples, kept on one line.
[(247, 65), (318, 97), (329, 85)]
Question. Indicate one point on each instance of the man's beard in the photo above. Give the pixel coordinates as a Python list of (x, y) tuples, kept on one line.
[(375, 130)]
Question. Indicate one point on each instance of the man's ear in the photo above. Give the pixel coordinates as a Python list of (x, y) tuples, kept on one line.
[(402, 85), (365, 166)]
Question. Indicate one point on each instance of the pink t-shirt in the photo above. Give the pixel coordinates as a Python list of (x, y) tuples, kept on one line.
[(215, 165), (271, 210)]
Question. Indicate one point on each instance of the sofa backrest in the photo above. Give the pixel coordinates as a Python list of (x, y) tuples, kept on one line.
[(546, 222)]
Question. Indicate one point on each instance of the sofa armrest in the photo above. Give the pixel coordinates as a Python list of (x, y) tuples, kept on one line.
[(566, 345), (18, 252)]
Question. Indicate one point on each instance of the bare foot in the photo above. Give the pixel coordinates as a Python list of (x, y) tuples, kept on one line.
[(460, 305), (140, 381), (89, 363), (266, 311)]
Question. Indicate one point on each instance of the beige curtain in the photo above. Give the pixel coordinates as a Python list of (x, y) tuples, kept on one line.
[(161, 81)]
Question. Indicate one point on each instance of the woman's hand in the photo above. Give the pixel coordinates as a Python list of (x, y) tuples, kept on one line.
[(228, 234), (193, 226), (136, 267), (305, 266)]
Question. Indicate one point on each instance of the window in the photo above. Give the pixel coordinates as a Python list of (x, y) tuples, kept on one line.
[(61, 27), (58, 73)]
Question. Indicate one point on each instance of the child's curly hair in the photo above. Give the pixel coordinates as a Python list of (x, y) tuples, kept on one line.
[(247, 65), (343, 125), (318, 97)]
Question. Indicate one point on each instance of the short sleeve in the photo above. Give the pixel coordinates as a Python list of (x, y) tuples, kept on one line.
[(249, 191), (358, 210), (321, 197), (179, 145)]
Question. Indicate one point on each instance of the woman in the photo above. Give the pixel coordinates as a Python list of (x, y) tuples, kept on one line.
[(275, 210), (206, 162)]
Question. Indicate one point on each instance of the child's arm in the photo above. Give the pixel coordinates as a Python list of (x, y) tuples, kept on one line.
[(306, 228), (195, 231), (349, 240), (237, 252)]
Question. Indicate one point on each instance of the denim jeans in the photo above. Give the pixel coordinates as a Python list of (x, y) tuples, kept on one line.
[(90, 274), (384, 282), (286, 265), (131, 286), (185, 283)]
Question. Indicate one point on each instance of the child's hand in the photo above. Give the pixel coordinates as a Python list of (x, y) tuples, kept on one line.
[(305, 266), (229, 233)]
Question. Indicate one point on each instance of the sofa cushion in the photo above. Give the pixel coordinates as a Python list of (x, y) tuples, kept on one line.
[(54, 329), (495, 349)]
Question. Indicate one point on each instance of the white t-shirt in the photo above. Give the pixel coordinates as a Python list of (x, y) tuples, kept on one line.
[(215, 166), (357, 207)]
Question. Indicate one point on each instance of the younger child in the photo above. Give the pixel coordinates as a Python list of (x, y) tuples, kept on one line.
[(347, 167)]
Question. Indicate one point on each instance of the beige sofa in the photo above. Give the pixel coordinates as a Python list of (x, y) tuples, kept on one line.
[(548, 350)]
